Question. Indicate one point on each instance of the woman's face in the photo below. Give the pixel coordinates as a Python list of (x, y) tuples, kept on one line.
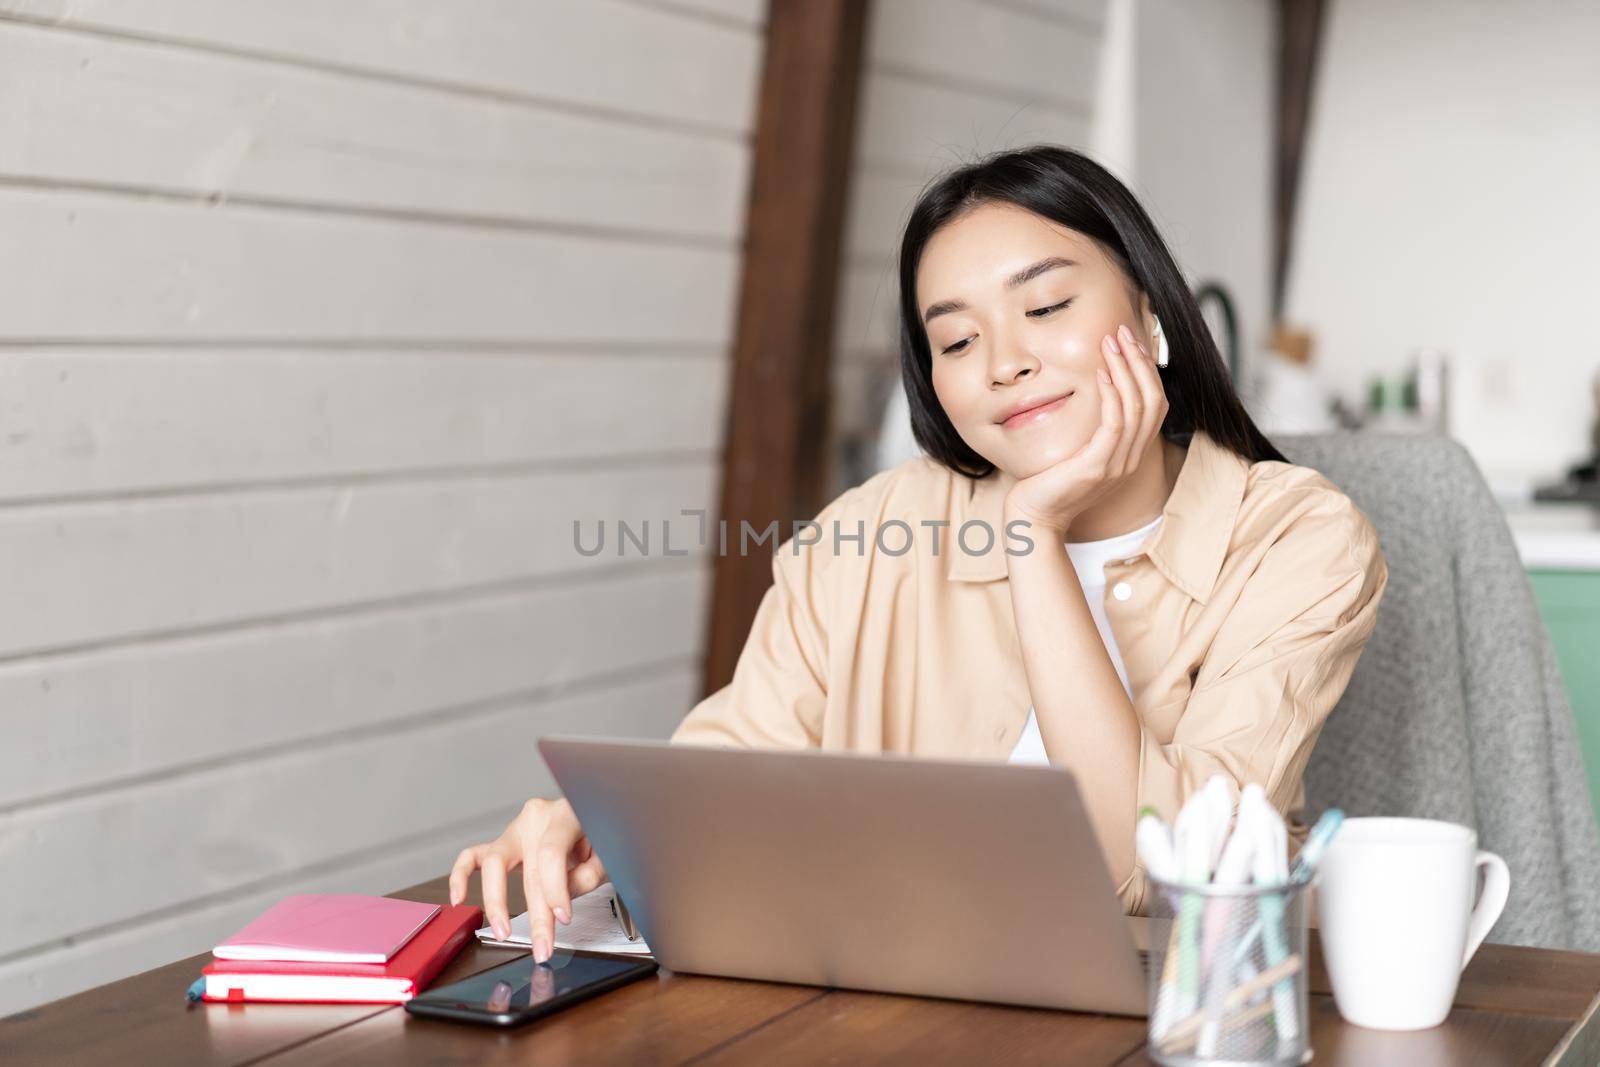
[(1016, 308)]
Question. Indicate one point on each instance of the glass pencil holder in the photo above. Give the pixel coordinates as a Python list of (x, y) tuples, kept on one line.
[(1228, 975)]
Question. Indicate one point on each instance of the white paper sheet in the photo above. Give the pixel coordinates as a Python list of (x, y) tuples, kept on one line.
[(593, 928)]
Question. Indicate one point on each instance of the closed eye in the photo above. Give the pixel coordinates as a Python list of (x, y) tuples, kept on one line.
[(1037, 313), (1041, 312)]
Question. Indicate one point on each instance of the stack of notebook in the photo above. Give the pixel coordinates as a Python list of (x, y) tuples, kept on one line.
[(342, 948)]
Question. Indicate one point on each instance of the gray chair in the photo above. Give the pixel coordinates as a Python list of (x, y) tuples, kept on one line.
[(1456, 710)]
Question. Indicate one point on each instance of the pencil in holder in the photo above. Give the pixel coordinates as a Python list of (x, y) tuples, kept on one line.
[(1228, 976)]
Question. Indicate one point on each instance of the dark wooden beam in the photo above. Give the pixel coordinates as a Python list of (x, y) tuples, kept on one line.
[(775, 463), (1299, 37)]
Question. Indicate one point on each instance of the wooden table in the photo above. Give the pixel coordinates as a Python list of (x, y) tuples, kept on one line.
[(1515, 1006)]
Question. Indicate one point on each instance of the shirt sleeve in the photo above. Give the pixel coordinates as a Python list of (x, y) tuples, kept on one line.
[(779, 688), (1278, 665)]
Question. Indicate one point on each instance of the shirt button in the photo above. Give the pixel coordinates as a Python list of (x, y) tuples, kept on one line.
[(1122, 590)]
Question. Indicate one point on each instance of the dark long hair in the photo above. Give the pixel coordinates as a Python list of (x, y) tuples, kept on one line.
[(1075, 191)]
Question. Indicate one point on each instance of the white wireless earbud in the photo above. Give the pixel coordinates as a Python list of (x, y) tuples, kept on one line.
[(1162, 352)]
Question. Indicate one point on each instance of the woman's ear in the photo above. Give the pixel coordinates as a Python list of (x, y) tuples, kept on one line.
[(1157, 338)]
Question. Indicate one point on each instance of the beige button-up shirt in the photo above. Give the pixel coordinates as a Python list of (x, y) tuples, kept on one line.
[(1239, 623)]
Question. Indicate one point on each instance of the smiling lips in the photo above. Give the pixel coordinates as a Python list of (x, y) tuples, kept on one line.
[(1028, 416)]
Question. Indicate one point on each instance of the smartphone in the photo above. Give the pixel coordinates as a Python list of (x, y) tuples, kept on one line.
[(522, 990)]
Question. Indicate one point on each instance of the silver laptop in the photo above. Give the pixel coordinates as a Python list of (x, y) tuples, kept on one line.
[(973, 880)]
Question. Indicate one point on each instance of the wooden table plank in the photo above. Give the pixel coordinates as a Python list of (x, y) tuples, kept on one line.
[(1514, 978), (871, 1028), (667, 1019), (1468, 1036), (1478, 1037), (145, 1019)]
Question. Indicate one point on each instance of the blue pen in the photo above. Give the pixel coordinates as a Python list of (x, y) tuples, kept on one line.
[(197, 989), (1316, 844)]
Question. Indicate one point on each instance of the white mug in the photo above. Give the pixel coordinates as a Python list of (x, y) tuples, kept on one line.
[(1398, 924)]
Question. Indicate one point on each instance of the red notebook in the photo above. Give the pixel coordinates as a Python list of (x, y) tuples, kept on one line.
[(329, 928), (405, 975)]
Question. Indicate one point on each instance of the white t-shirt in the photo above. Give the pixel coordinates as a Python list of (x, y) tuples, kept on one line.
[(1089, 559)]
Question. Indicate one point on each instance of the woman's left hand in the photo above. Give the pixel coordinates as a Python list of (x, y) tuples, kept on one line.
[(1133, 405)]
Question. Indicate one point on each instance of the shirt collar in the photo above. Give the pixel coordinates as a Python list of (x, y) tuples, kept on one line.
[(1196, 528)]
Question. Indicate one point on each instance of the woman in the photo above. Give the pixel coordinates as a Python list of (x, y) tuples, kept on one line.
[(1100, 563)]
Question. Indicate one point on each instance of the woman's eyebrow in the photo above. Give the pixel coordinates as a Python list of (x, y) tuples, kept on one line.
[(1026, 274)]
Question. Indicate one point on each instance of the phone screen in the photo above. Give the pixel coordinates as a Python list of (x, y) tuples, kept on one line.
[(522, 989)]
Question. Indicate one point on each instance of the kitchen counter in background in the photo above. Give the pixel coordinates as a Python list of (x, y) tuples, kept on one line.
[(1560, 547), (1557, 537)]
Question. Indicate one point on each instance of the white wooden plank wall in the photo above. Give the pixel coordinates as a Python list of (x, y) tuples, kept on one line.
[(322, 323), (946, 81)]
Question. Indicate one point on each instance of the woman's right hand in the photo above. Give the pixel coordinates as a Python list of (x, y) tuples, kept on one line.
[(1133, 406), (558, 863)]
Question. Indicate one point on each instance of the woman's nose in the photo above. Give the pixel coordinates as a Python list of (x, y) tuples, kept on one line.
[(1009, 362)]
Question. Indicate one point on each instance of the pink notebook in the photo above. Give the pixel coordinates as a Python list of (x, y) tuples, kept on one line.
[(329, 928)]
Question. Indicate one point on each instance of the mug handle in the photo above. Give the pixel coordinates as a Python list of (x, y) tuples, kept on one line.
[(1496, 888)]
